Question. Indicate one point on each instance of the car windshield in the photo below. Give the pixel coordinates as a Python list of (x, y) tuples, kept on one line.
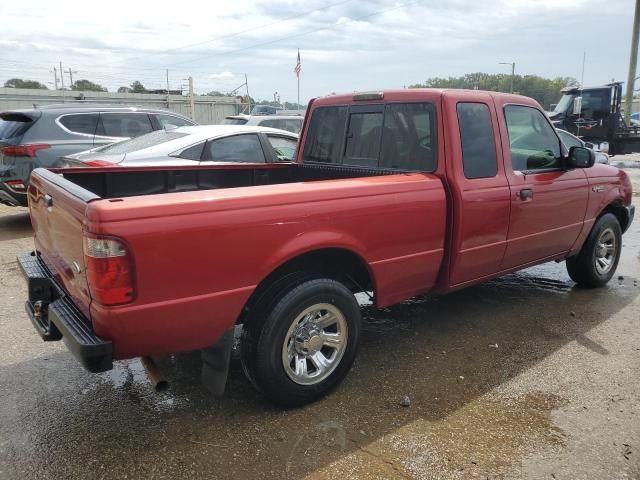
[(144, 141), (564, 104)]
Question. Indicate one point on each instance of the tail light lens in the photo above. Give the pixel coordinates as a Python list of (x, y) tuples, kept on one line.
[(28, 150), (109, 268), (99, 163), (16, 185)]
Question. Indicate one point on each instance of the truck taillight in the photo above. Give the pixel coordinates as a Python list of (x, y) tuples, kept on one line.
[(28, 150), (109, 269)]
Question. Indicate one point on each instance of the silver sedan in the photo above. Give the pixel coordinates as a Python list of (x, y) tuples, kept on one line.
[(193, 145)]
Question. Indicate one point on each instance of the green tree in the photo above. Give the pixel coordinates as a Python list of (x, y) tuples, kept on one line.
[(124, 90), (216, 93), (20, 83), (87, 86), (545, 90), (137, 87)]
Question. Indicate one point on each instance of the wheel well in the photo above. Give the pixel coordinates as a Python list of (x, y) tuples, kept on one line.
[(335, 263), (620, 212)]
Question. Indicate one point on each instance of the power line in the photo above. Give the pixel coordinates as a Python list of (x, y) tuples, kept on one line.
[(298, 35)]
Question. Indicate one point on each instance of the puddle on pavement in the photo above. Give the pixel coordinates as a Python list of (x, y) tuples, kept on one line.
[(484, 436)]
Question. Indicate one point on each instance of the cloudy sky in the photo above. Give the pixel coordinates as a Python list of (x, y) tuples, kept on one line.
[(345, 45)]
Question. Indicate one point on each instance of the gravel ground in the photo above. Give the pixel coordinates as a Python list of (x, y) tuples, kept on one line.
[(521, 377)]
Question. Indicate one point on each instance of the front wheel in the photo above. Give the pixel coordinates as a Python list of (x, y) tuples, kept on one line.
[(597, 261), (305, 345)]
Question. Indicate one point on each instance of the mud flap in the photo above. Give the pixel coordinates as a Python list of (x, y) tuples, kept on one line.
[(215, 364)]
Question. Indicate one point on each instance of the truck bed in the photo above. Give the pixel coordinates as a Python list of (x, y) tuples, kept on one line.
[(200, 248), (109, 183)]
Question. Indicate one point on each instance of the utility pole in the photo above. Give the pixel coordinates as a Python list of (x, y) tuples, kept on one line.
[(61, 76), (632, 64), (513, 73), (191, 101), (246, 83), (168, 89), (71, 72), (55, 77)]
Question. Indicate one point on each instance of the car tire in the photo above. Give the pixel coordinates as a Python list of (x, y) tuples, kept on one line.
[(598, 259), (302, 346)]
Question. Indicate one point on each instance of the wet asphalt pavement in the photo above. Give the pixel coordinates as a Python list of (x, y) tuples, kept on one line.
[(525, 376)]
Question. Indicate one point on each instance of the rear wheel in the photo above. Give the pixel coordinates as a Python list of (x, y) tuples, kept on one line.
[(597, 261), (305, 344)]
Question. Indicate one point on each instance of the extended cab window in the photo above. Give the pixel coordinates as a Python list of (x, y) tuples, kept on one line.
[(476, 137), (534, 143), (326, 132), (395, 136)]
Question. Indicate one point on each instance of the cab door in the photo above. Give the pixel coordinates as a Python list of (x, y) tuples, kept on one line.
[(478, 186), (548, 201)]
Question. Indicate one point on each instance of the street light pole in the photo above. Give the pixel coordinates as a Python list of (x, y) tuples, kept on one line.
[(513, 72), (632, 63)]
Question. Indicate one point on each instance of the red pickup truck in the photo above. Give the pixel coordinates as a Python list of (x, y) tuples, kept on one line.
[(393, 193)]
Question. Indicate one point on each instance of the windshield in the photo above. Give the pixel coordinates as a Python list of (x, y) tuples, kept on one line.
[(13, 126), (144, 141), (564, 104)]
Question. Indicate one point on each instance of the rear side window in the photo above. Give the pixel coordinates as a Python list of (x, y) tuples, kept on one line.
[(13, 125), (271, 123), (237, 148), (84, 123), (193, 153), (284, 148), (398, 136), (293, 125), (171, 121), (476, 136), (124, 124)]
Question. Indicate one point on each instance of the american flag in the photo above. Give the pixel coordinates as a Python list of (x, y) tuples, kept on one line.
[(298, 65)]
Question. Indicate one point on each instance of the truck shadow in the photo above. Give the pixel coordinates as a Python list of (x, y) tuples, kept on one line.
[(443, 353), (16, 225)]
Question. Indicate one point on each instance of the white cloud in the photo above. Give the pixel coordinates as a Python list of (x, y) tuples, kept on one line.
[(345, 45)]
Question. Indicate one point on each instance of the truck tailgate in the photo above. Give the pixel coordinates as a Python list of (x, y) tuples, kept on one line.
[(57, 216)]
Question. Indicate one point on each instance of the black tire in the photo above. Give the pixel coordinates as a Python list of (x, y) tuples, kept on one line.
[(583, 268), (268, 328)]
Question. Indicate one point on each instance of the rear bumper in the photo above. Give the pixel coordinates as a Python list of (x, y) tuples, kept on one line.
[(631, 211), (55, 317)]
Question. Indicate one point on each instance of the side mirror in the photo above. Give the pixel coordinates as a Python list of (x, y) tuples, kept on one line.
[(577, 105), (581, 157)]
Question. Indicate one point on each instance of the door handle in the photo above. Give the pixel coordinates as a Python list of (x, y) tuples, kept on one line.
[(525, 194)]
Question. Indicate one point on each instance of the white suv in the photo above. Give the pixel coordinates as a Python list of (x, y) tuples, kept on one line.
[(290, 123)]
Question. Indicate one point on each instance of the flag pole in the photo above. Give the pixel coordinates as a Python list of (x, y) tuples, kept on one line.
[(298, 80)]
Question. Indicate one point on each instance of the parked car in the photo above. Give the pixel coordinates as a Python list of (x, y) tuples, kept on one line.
[(569, 140), (193, 146), (38, 137), (394, 193), (291, 123)]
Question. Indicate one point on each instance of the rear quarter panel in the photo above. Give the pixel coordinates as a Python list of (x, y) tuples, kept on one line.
[(199, 255)]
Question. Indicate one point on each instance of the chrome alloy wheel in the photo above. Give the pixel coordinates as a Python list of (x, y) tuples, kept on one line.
[(605, 251), (314, 344)]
